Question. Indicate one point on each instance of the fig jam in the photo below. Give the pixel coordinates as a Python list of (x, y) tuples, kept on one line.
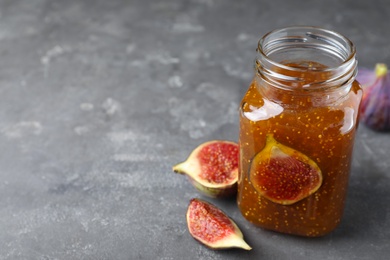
[(305, 95)]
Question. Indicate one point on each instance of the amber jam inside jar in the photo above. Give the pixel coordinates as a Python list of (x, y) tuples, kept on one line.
[(297, 128)]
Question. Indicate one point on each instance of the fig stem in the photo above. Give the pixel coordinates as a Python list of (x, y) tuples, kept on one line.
[(240, 243), (380, 69), (178, 168)]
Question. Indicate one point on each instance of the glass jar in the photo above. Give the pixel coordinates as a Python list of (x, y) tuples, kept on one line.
[(297, 128)]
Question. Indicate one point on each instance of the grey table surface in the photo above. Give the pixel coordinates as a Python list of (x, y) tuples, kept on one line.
[(98, 99)]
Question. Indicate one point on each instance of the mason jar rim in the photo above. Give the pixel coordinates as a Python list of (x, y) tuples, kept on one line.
[(351, 53), (325, 41)]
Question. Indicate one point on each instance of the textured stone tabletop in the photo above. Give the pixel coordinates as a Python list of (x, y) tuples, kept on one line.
[(98, 99)]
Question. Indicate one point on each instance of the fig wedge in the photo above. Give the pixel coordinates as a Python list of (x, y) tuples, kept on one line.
[(284, 175), (212, 227), (212, 168)]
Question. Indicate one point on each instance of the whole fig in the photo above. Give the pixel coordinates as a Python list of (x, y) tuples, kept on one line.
[(375, 106)]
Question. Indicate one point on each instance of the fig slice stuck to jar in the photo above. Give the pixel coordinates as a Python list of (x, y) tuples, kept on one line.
[(284, 175), (212, 227), (212, 168)]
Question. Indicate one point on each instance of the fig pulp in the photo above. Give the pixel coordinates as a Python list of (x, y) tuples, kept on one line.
[(284, 175), (212, 227), (212, 168)]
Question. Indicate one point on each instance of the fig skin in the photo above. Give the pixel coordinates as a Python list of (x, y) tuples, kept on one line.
[(210, 155), (280, 162), (375, 105), (212, 227)]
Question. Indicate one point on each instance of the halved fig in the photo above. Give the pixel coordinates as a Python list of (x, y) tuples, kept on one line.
[(284, 175), (212, 227), (212, 168)]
